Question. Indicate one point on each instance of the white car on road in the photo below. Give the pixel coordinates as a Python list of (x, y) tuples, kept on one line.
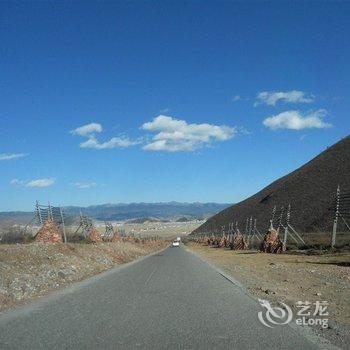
[(176, 244)]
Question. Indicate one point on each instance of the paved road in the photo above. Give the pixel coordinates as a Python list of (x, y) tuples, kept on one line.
[(170, 300)]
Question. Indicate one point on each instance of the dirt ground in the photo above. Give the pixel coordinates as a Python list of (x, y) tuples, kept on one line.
[(162, 229), (290, 278), (32, 270)]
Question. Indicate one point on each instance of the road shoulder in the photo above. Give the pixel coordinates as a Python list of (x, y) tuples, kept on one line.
[(285, 278), (35, 270)]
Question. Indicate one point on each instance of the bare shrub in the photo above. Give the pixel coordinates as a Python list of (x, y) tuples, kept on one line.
[(11, 233), (73, 236)]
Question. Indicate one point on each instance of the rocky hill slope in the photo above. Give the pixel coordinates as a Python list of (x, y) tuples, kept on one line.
[(310, 190)]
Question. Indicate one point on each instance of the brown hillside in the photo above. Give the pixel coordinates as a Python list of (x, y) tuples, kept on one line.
[(310, 190)]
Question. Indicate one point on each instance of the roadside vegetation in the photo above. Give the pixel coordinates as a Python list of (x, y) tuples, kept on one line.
[(31, 270), (34, 262)]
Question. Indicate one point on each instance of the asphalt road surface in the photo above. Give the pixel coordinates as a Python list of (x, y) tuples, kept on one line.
[(169, 300)]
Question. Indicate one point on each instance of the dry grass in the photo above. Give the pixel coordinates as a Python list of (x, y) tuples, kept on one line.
[(31, 270), (290, 278), (10, 233), (321, 240)]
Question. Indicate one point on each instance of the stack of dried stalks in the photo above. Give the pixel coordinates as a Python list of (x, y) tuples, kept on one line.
[(271, 242), (94, 236), (49, 233), (239, 242), (116, 237)]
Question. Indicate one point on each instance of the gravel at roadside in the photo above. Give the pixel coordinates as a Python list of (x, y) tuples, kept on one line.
[(31, 270)]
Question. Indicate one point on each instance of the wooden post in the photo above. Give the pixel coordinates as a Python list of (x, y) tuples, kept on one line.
[(296, 234), (335, 223), (38, 212), (285, 237), (286, 229), (345, 222), (280, 220), (255, 230), (273, 217), (63, 226), (49, 212), (250, 229)]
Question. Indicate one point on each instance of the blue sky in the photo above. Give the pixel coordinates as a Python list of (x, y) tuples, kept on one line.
[(185, 101)]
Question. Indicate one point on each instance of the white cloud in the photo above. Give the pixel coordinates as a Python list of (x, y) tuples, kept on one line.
[(17, 182), (114, 142), (10, 156), (236, 98), (83, 185), (41, 182), (45, 182), (294, 120), (88, 129), (272, 97), (173, 135)]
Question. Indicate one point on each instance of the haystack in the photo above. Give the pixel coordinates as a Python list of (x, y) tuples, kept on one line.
[(239, 242), (223, 242), (49, 233), (95, 236), (206, 241), (271, 242), (116, 237)]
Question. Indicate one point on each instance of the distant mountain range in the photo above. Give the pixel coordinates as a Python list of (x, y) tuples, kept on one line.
[(122, 211)]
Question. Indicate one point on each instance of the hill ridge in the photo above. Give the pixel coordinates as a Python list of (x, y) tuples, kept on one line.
[(310, 190), (120, 211)]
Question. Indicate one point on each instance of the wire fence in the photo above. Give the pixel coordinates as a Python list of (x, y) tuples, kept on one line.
[(341, 212), (71, 228), (281, 221), (55, 214)]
